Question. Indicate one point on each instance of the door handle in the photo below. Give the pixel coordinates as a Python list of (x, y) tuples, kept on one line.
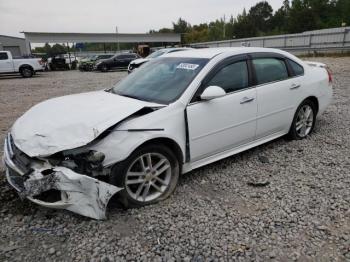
[(295, 86), (247, 100)]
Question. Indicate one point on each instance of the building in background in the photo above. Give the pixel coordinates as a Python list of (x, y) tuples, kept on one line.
[(16, 45)]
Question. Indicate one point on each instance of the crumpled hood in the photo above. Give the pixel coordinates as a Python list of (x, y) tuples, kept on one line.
[(71, 121), (139, 61)]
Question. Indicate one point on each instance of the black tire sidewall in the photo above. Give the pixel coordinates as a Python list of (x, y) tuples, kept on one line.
[(104, 68), (119, 172), (23, 72), (293, 134)]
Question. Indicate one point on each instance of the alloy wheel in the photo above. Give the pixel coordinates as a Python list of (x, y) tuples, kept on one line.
[(148, 177), (305, 121)]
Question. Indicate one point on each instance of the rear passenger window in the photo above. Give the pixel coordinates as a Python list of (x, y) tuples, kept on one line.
[(127, 56), (298, 69), (270, 70), (232, 77), (3, 56)]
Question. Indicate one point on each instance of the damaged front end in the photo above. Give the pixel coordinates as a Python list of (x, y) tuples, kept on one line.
[(62, 177)]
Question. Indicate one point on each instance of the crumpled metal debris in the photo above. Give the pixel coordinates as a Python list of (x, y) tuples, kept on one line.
[(80, 194)]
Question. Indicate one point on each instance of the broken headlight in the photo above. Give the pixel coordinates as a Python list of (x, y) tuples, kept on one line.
[(95, 157), (84, 162)]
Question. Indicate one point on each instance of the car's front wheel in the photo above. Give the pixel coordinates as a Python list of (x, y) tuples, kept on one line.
[(104, 68), (304, 120), (148, 175)]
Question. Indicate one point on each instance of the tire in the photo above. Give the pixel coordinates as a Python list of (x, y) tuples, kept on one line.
[(304, 120), (74, 65), (27, 72), (128, 174), (104, 68)]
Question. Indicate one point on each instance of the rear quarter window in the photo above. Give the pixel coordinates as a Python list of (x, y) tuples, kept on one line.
[(298, 69)]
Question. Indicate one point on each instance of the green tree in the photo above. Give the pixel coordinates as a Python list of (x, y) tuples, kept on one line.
[(279, 21), (243, 26), (181, 27), (260, 16)]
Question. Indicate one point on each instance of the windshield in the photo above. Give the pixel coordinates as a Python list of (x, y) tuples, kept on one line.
[(162, 80), (103, 57), (93, 58), (156, 54)]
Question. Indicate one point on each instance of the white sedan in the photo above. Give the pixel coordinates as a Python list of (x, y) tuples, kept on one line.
[(176, 113)]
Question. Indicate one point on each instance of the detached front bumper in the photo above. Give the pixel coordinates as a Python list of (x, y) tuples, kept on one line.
[(78, 193)]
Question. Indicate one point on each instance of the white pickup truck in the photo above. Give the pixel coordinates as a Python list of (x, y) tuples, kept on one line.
[(27, 67)]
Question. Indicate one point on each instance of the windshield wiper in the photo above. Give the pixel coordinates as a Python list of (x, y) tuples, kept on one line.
[(130, 96)]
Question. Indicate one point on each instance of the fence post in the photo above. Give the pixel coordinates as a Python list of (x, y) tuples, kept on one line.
[(310, 39), (343, 43)]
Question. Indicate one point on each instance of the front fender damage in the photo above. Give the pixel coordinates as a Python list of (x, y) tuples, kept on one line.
[(80, 194)]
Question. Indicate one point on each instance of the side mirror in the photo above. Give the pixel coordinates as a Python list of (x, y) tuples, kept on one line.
[(212, 92)]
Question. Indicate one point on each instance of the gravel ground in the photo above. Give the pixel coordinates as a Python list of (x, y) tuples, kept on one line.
[(301, 211)]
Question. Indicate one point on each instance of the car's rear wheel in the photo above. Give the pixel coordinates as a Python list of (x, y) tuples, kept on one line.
[(304, 120), (27, 72), (148, 175)]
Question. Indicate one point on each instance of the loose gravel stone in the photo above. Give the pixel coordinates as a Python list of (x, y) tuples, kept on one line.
[(214, 215), (52, 251)]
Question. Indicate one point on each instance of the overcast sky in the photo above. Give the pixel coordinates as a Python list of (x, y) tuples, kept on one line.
[(102, 16)]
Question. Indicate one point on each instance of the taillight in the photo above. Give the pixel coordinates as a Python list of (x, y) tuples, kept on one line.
[(330, 77)]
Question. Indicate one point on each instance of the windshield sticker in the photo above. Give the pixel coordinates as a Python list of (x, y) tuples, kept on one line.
[(187, 66)]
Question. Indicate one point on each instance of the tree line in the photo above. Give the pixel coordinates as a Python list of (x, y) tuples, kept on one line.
[(292, 17)]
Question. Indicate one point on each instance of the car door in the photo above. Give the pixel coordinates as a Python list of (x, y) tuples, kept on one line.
[(6, 65), (226, 122), (114, 62), (277, 94), (129, 58), (122, 61)]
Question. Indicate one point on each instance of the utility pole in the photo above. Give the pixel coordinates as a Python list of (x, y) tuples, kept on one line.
[(224, 31), (116, 32)]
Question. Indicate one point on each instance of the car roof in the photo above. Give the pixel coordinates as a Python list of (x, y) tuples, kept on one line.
[(212, 52), (174, 48)]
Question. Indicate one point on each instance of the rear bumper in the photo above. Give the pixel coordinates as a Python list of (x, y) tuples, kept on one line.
[(78, 193), (325, 99)]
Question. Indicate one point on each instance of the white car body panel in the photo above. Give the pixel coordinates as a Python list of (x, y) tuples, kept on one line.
[(229, 152), (89, 115), (277, 104), (204, 131), (80, 194), (167, 122), (215, 126), (139, 61), (12, 65), (83, 194)]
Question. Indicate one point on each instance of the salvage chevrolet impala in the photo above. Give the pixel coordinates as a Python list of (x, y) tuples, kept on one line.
[(174, 114)]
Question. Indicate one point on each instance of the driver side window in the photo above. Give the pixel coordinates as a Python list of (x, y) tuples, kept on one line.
[(232, 77)]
